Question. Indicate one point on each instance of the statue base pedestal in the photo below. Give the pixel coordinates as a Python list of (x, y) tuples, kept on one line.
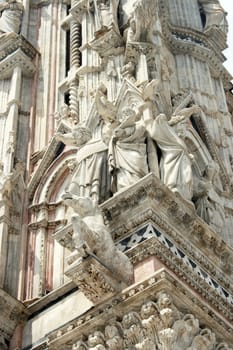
[(95, 280)]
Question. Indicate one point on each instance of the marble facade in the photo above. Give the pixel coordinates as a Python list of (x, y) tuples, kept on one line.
[(116, 143)]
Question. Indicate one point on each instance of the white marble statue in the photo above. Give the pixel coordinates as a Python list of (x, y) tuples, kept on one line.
[(91, 232), (176, 162), (104, 107), (11, 16), (143, 18), (106, 15), (127, 151), (208, 203), (90, 164), (5, 183), (215, 14)]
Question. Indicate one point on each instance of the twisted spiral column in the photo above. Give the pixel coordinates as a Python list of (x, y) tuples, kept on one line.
[(74, 64)]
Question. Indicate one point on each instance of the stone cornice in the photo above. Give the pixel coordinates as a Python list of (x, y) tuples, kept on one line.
[(12, 312), (148, 200), (133, 297), (16, 59), (12, 42)]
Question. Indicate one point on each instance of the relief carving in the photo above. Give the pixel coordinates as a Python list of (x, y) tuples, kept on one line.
[(158, 326)]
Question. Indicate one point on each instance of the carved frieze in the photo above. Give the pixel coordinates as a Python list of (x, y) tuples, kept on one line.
[(148, 315)]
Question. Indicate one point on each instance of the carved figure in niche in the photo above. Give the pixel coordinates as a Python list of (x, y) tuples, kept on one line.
[(11, 16), (96, 341), (64, 113), (89, 170), (203, 341), (106, 15), (91, 232), (133, 331), (185, 330), (114, 336), (151, 320), (80, 345), (128, 71), (104, 107), (143, 18), (215, 14), (208, 203), (5, 183), (127, 151)]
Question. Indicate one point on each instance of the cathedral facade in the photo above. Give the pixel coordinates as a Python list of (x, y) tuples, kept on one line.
[(116, 190)]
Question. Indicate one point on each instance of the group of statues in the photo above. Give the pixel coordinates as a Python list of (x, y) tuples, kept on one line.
[(123, 150), (131, 145)]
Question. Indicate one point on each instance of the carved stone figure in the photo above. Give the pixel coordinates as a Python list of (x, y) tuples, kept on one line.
[(90, 232), (127, 151), (166, 309), (203, 341), (175, 163), (215, 14), (11, 16), (96, 341), (106, 15), (5, 183), (80, 345), (114, 339), (64, 113), (104, 107), (133, 331), (185, 331), (90, 164), (208, 203), (151, 320), (128, 71), (144, 16)]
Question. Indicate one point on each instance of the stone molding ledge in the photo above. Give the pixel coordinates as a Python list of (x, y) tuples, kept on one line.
[(12, 313), (149, 199), (132, 298)]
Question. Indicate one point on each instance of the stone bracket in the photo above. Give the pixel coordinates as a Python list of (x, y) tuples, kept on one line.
[(95, 280)]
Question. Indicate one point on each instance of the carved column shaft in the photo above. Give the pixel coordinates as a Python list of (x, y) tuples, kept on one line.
[(74, 65), (12, 118)]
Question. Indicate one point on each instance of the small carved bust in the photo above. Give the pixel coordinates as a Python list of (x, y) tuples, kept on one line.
[(96, 341)]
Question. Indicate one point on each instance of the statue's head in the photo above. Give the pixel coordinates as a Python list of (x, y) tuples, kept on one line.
[(148, 309), (192, 323), (95, 338)]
